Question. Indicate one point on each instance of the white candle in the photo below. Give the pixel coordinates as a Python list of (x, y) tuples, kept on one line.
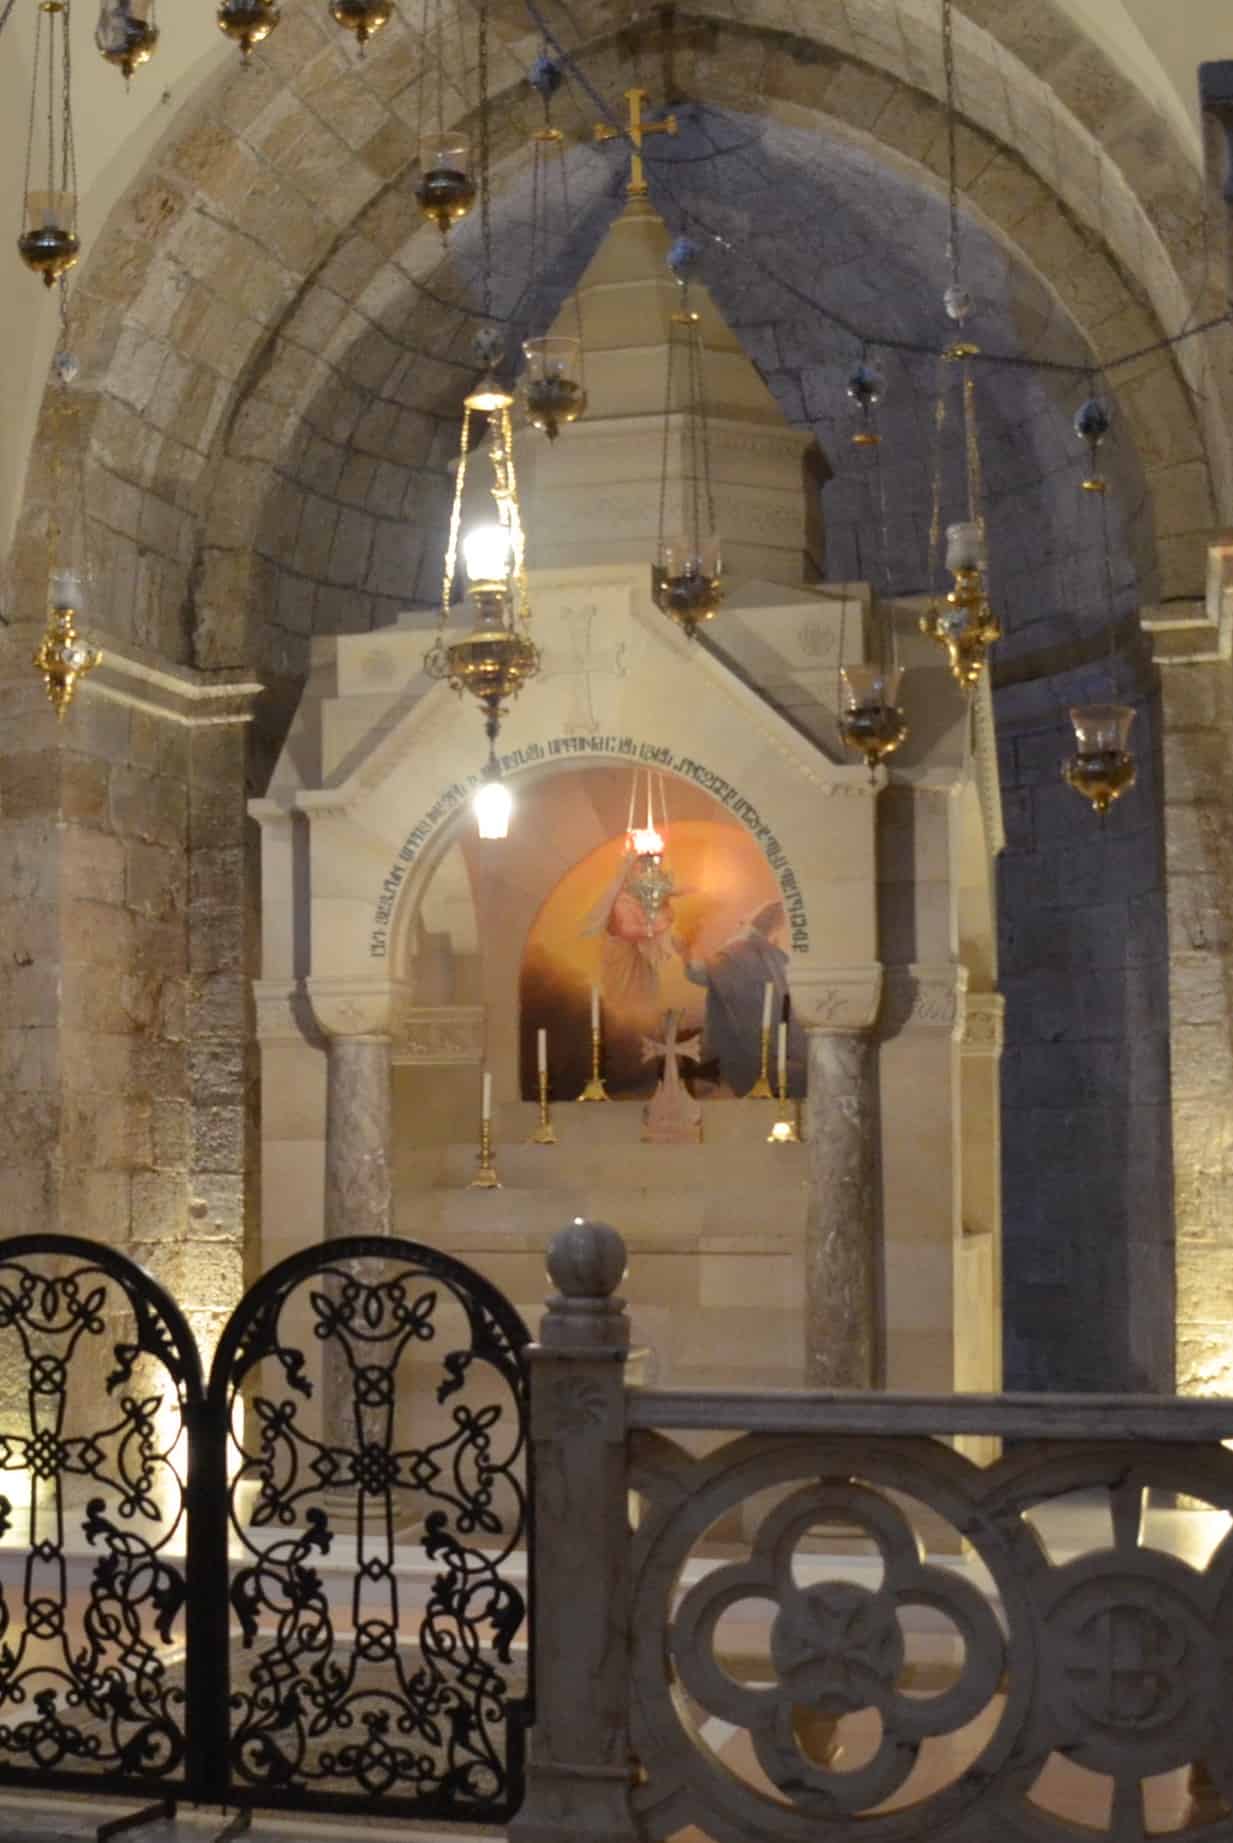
[(783, 1057), (541, 1051), (768, 999), (594, 1009), (486, 1108)]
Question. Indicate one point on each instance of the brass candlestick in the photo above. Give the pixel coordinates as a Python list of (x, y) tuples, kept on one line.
[(543, 1134), (486, 1177), (785, 1131), (762, 1090), (595, 1090)]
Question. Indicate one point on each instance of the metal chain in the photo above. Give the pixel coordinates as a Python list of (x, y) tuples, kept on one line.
[(68, 151), (952, 163), (663, 464), (887, 657), (971, 443), (25, 189), (539, 211), (451, 546), (935, 516), (485, 152)]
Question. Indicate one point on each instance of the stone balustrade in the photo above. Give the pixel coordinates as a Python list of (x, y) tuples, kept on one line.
[(823, 1615)]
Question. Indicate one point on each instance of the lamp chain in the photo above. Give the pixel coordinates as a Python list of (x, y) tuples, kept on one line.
[(935, 514), (952, 163), (485, 152), (451, 547), (663, 468)]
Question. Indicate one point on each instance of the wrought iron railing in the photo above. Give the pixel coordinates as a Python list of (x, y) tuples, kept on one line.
[(296, 1585), (823, 1620)]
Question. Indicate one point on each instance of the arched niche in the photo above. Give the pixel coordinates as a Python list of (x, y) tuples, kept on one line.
[(623, 689)]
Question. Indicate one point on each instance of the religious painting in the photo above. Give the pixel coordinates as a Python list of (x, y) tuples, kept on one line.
[(699, 932)]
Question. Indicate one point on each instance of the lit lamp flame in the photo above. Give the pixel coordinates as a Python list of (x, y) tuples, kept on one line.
[(645, 842), (487, 554), (493, 804)]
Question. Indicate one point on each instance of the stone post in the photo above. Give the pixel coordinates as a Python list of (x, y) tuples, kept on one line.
[(841, 1238), (579, 1776)]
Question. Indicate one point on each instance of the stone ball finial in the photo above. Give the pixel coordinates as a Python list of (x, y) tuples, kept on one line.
[(586, 1260)]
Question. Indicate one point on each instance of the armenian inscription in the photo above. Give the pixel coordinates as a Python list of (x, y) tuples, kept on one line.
[(622, 748)]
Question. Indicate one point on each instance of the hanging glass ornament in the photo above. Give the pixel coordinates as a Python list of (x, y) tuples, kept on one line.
[(964, 623), (48, 242), (648, 879), (446, 191), (247, 22), (683, 257), (545, 77), (492, 803), (958, 303), (553, 387), (127, 34), (1092, 423), (364, 18), (870, 720), (1102, 767), (865, 387)]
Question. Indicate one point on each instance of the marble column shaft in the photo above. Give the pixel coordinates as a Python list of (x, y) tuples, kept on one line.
[(357, 1136), (841, 1238), (357, 1194)]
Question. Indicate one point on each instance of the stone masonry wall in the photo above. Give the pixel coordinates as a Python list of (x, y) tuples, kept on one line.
[(1198, 762)]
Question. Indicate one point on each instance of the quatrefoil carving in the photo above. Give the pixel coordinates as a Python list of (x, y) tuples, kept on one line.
[(836, 1648)]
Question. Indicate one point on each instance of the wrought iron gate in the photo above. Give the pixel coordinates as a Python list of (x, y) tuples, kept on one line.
[(300, 1584)]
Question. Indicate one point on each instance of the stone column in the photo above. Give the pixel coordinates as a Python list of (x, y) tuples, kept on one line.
[(841, 1239), (357, 1136), (357, 1165), (579, 1772)]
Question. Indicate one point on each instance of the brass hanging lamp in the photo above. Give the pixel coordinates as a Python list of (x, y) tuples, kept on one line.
[(1092, 423), (963, 622), (552, 386), (362, 18), (126, 34), (687, 575), (48, 242), (871, 720), (1102, 767), (64, 655), (865, 388), (247, 22), (446, 190)]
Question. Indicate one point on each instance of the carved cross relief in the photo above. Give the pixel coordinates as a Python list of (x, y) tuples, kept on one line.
[(582, 662)]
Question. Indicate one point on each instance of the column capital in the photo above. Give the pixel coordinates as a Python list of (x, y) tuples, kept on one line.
[(984, 1023), (836, 999), (924, 996), (360, 1006)]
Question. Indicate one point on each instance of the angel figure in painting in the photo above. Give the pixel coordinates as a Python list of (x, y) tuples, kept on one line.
[(634, 919)]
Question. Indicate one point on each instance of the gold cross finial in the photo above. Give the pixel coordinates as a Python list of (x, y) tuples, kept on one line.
[(636, 130)]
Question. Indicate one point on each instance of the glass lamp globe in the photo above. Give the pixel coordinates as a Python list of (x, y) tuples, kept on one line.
[(492, 805), (486, 555)]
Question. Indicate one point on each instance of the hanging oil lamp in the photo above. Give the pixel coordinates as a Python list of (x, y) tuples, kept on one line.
[(247, 22), (870, 720), (63, 656), (364, 18), (496, 656), (648, 880), (1102, 767), (865, 387), (551, 383), (1092, 424), (446, 191), (48, 242), (964, 623), (687, 575), (126, 34), (492, 803)]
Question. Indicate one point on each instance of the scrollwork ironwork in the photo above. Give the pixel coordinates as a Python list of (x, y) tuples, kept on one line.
[(347, 1694), (92, 1473)]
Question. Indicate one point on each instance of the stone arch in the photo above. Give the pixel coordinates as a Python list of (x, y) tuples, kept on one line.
[(248, 217)]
